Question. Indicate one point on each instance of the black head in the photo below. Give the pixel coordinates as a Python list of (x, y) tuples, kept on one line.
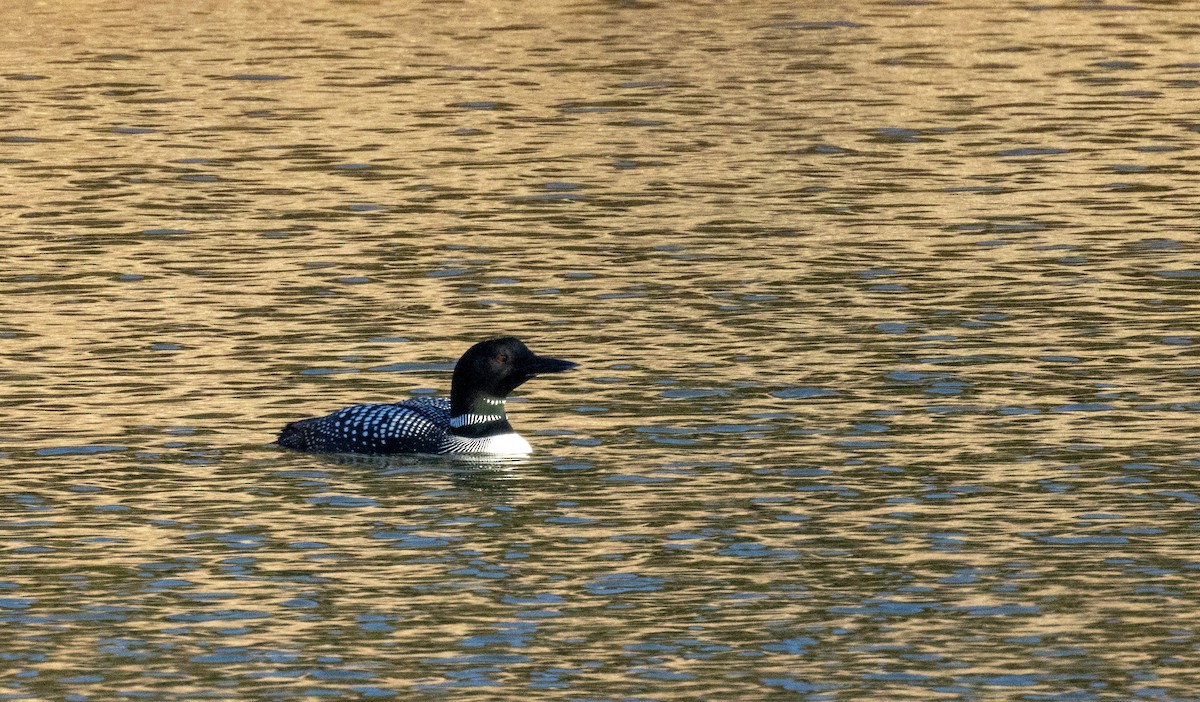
[(497, 367)]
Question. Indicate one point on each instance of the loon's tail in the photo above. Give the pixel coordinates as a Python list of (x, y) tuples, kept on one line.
[(295, 435)]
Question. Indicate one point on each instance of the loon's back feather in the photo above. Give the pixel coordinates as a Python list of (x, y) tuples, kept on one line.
[(419, 425)]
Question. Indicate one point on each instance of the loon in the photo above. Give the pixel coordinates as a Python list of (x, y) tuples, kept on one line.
[(472, 421)]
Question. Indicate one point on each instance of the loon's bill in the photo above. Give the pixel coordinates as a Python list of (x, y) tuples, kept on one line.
[(471, 421)]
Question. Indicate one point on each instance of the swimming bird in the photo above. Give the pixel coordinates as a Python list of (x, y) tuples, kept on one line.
[(472, 421)]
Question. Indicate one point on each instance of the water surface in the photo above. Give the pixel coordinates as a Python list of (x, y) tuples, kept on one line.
[(886, 316)]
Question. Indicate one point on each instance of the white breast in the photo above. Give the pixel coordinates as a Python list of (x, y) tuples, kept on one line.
[(502, 444)]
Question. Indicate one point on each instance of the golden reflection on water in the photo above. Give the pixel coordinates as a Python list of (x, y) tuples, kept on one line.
[(885, 315)]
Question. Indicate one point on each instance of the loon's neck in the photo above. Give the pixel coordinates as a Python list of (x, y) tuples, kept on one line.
[(478, 415)]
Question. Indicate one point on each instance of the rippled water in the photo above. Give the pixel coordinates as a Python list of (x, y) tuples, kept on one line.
[(886, 315)]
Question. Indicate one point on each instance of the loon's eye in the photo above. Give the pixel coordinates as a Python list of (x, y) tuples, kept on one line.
[(501, 358)]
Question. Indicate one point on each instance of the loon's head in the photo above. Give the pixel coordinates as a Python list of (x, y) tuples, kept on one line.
[(490, 370)]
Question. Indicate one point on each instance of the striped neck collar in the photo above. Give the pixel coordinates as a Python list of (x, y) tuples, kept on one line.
[(463, 420), (484, 410)]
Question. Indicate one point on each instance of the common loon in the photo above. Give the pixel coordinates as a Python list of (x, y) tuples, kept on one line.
[(472, 421)]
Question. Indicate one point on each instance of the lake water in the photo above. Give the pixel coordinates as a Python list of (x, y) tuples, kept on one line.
[(886, 316)]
